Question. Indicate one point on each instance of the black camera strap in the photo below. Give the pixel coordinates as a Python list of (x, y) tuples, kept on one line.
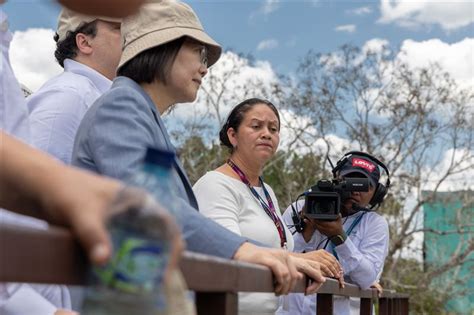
[(269, 208)]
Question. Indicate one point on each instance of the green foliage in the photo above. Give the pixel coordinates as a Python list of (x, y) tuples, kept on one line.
[(198, 159), (290, 174)]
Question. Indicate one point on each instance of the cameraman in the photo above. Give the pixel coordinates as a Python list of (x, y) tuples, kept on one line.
[(358, 237)]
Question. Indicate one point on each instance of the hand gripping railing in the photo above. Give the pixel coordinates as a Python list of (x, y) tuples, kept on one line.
[(53, 256)]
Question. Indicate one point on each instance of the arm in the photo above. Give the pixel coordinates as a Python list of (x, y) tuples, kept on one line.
[(55, 116), (31, 180), (364, 263)]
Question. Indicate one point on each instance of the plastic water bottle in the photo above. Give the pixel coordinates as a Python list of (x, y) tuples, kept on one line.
[(131, 283), (157, 178)]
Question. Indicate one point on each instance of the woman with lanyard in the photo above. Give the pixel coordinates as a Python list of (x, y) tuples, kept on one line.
[(235, 195)]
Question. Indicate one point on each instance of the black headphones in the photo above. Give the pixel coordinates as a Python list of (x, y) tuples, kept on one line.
[(381, 190)]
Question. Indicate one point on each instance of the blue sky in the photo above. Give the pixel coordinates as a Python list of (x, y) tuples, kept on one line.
[(291, 28)]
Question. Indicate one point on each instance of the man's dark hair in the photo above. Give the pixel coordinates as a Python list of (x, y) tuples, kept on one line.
[(67, 48), (237, 115), (152, 64)]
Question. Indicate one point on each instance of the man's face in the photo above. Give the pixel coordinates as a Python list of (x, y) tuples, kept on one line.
[(360, 198), (107, 47)]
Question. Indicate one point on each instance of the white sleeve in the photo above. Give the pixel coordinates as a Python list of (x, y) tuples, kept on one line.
[(218, 201), (363, 264), (26, 300)]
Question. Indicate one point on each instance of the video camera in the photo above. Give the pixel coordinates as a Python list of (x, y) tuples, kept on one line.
[(323, 201)]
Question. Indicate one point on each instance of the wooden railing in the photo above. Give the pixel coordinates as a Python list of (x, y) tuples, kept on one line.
[(53, 256)]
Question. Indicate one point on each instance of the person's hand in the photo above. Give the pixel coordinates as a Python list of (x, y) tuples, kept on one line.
[(330, 267), (279, 261), (83, 201), (311, 269), (329, 228), (65, 312), (377, 287)]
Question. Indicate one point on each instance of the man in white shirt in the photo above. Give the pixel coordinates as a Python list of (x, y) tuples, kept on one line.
[(89, 49), (358, 238)]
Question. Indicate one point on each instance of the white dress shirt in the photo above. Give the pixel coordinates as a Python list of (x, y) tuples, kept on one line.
[(362, 258), (57, 108), (229, 202), (21, 298)]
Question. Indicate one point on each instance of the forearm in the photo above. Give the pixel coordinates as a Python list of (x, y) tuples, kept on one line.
[(33, 183), (357, 266)]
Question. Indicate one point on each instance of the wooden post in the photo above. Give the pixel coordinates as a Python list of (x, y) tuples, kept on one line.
[(404, 303), (384, 306), (216, 303), (324, 304), (365, 306)]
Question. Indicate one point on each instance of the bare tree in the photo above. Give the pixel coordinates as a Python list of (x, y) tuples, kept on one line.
[(418, 120)]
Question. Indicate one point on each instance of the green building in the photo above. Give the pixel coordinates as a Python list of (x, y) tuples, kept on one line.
[(450, 217)]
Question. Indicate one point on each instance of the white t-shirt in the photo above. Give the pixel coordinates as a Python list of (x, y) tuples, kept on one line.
[(229, 202)]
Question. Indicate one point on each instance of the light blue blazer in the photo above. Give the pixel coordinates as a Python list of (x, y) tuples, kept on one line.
[(112, 140)]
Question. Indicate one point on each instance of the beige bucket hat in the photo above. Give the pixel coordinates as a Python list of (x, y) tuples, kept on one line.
[(159, 22), (69, 21)]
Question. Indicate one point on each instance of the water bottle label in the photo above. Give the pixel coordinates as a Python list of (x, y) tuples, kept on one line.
[(137, 265)]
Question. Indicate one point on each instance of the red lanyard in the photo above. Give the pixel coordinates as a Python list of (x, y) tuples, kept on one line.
[(269, 209)]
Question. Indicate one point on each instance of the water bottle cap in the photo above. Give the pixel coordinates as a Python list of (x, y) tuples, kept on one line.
[(159, 157)]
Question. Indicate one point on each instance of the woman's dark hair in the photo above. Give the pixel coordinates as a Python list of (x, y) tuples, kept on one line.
[(153, 63), (237, 115), (67, 48)]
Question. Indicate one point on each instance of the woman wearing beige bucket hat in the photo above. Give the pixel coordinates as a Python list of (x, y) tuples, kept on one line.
[(165, 56)]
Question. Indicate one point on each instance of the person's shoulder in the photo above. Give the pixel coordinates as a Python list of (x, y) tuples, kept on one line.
[(373, 218), (60, 84), (117, 100), (66, 81), (213, 178)]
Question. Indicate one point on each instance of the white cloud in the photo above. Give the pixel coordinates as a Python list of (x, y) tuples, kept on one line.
[(270, 6), (375, 45), (463, 159), (267, 44), (32, 57), (449, 15), (360, 11), (457, 58), (267, 8), (349, 28)]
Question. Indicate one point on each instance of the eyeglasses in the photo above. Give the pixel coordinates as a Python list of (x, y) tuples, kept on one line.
[(204, 53)]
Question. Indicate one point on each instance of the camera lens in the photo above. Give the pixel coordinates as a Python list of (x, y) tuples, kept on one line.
[(324, 207)]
